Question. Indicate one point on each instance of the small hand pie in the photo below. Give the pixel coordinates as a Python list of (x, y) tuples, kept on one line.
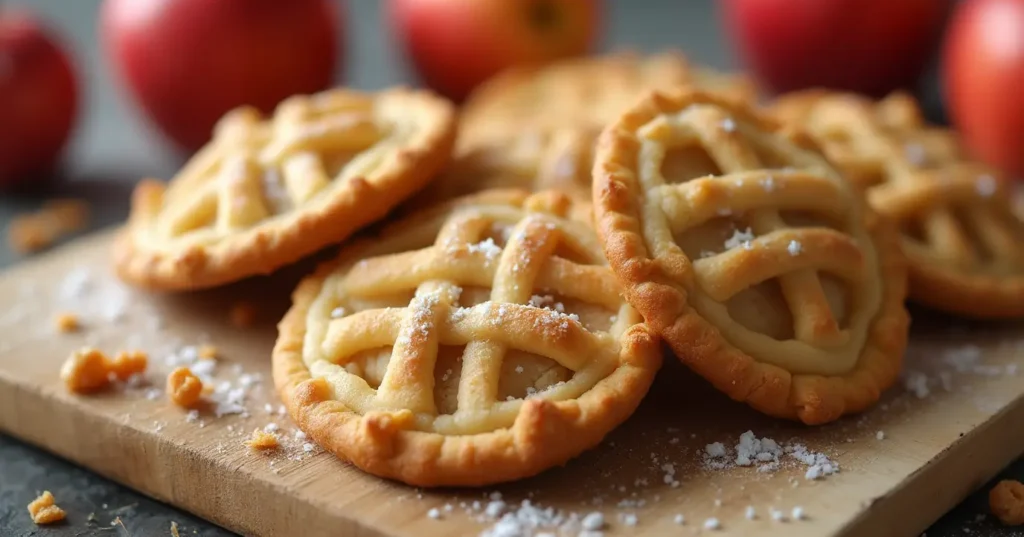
[(751, 256), (478, 342), (559, 159), (267, 192), (586, 92), (961, 232)]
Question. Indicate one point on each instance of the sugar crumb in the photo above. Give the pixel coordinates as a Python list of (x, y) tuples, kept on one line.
[(594, 521)]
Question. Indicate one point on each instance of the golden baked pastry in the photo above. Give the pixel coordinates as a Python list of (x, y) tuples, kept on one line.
[(480, 341), (751, 256), (960, 229), (266, 192), (585, 92), (532, 160)]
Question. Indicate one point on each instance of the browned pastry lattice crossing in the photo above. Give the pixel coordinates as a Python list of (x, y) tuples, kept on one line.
[(433, 318), (456, 362), (234, 197), (957, 221), (749, 254), (267, 191), (745, 187)]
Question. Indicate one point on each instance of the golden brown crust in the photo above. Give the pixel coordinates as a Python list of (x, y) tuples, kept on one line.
[(585, 92), (418, 449), (969, 259), (147, 258), (659, 287), (534, 160)]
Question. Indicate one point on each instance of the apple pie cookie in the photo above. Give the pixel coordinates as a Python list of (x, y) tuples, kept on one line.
[(480, 341), (585, 92), (266, 192), (751, 256), (960, 229)]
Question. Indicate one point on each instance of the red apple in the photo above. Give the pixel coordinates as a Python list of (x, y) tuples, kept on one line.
[(187, 62), (866, 46), (983, 69), (455, 45), (38, 99)]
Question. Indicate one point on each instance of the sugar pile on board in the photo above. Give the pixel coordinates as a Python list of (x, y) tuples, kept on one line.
[(818, 464), (528, 520), (716, 456), (763, 453), (767, 455)]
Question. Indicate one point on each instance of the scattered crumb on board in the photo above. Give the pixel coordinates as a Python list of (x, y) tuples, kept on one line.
[(44, 510)]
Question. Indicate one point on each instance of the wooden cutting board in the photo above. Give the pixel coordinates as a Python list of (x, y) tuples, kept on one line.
[(902, 465)]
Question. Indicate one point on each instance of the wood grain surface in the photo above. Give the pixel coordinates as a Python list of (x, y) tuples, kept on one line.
[(902, 465)]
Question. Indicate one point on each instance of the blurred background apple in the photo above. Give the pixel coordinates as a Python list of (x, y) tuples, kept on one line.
[(454, 45), (983, 76), (38, 99), (865, 46), (187, 62)]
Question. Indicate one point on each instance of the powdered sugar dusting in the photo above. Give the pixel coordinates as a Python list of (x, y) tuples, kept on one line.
[(487, 247), (794, 248), (740, 238)]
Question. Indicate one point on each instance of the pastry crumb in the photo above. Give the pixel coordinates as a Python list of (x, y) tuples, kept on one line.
[(31, 232), (174, 529), (183, 387), (207, 352), (129, 363), (1006, 501), (67, 322), (243, 314), (86, 370), (262, 440), (44, 511), (69, 215)]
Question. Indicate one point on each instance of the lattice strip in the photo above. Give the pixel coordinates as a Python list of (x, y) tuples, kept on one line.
[(304, 175), (343, 133), (409, 379), (724, 275), (697, 201), (240, 193), (360, 331)]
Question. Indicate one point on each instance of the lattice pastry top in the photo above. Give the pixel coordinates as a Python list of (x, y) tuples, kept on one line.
[(960, 230), (480, 341), (751, 256), (533, 160), (587, 92), (266, 192)]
